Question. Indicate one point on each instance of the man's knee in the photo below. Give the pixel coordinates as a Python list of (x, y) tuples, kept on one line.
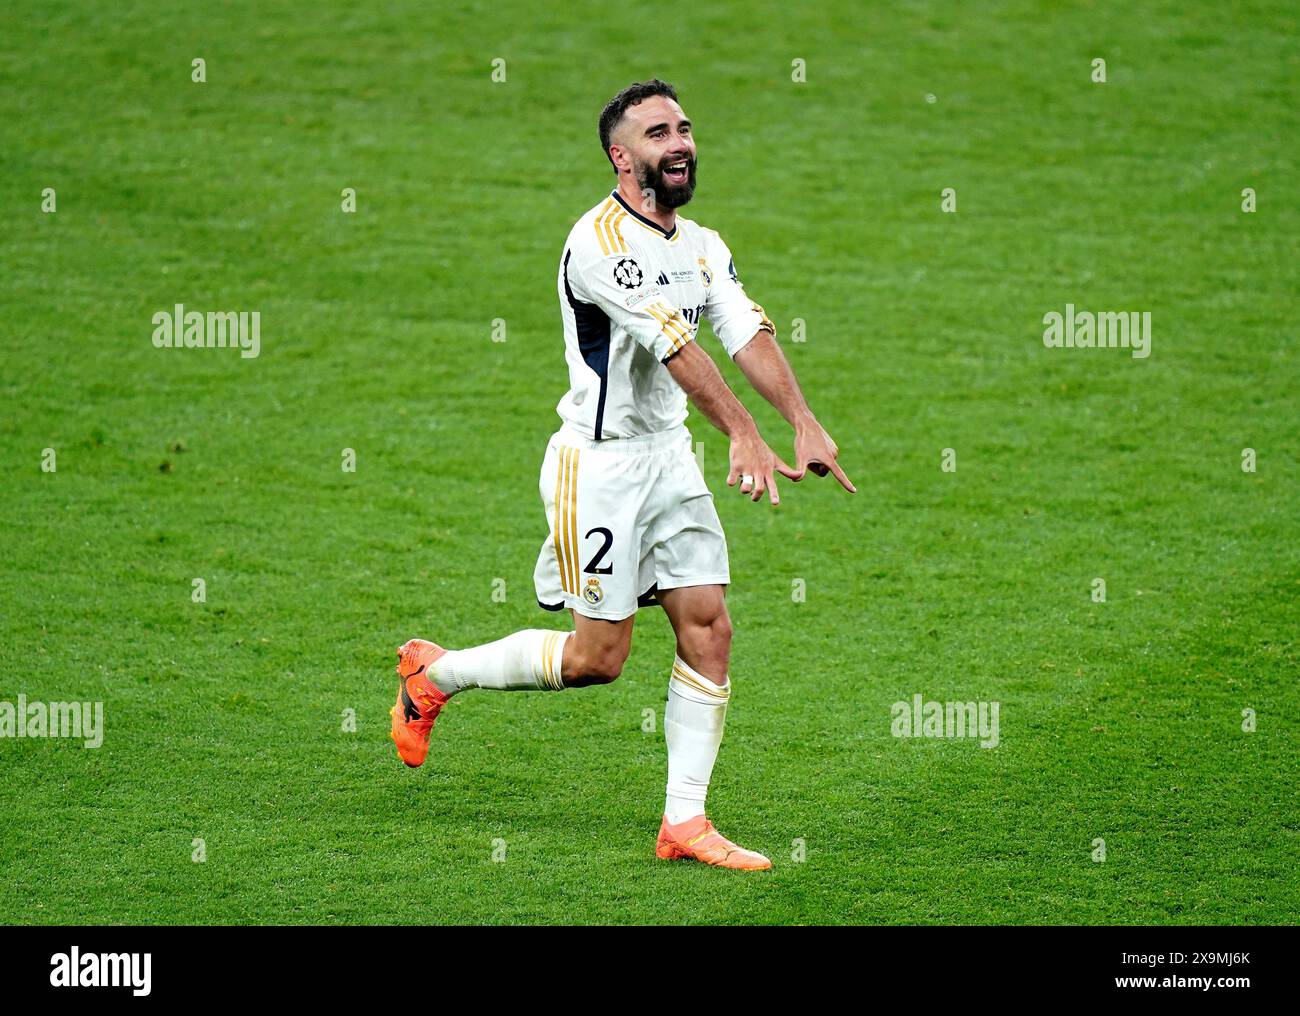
[(593, 662), (602, 667), (720, 627)]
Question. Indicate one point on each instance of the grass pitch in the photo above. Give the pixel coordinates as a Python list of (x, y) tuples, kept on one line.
[(224, 721)]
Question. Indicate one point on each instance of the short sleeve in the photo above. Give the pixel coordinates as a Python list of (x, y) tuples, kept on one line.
[(734, 316), (621, 282)]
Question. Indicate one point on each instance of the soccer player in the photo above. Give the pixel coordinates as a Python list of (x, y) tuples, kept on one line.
[(632, 522)]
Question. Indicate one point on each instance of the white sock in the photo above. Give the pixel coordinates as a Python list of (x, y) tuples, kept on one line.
[(693, 722), (525, 661)]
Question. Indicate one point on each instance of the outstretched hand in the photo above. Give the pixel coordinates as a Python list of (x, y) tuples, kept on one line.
[(755, 465), (815, 450)]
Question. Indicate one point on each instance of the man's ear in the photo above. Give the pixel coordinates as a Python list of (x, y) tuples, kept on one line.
[(622, 158)]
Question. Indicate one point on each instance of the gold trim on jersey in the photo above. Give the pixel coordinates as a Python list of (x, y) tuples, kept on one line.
[(674, 326), (600, 226), (658, 233), (654, 227), (766, 322), (608, 232)]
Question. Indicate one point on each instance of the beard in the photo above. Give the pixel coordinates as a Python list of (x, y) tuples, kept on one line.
[(666, 194)]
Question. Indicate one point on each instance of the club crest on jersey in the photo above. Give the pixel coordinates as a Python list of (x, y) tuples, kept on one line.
[(593, 594), (627, 273), (705, 275)]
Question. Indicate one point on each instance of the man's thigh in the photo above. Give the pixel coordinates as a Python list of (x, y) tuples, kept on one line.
[(591, 560), (688, 545)]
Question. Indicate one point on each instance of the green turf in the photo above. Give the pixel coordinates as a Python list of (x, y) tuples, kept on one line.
[(1119, 721)]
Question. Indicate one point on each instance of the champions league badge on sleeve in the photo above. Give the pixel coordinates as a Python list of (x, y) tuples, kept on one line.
[(627, 273)]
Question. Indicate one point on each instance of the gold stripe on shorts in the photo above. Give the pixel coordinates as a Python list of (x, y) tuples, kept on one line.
[(558, 525), (566, 519), (572, 538)]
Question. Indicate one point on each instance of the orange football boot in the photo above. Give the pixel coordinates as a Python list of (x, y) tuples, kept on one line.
[(418, 701), (697, 840)]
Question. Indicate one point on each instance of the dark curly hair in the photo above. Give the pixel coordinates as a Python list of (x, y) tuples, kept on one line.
[(633, 94)]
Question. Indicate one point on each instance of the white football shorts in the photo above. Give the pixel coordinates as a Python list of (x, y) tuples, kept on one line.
[(629, 517)]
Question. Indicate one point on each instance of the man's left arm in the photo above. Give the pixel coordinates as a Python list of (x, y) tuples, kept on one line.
[(770, 373), (749, 337)]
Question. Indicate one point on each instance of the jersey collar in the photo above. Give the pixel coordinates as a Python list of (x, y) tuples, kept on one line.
[(667, 234)]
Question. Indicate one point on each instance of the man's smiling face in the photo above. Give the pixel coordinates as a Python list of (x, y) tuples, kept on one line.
[(656, 137)]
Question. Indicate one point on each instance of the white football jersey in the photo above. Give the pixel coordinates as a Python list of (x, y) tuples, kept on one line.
[(631, 295)]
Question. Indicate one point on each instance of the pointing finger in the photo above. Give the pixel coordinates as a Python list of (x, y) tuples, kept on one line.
[(844, 480)]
